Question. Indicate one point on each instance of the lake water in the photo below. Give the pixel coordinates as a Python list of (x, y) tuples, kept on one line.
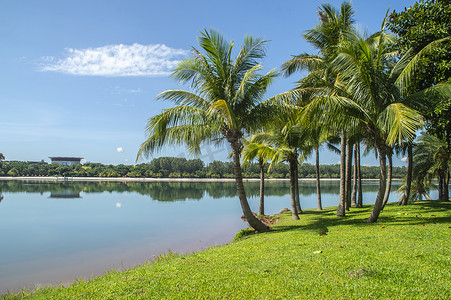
[(52, 232)]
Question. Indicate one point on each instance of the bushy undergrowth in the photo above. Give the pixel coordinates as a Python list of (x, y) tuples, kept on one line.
[(406, 255)]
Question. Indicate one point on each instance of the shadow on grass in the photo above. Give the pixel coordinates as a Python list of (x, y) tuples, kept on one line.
[(419, 213)]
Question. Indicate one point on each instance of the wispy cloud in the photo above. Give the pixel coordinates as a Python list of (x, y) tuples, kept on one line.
[(117, 90), (117, 60)]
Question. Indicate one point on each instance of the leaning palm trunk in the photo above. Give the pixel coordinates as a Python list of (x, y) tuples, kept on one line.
[(318, 187), (341, 203), (382, 184), (293, 169), (348, 173), (261, 206), (251, 219), (354, 182), (298, 201), (406, 195), (389, 178)]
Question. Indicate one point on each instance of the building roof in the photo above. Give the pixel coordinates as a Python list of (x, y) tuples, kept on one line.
[(60, 158)]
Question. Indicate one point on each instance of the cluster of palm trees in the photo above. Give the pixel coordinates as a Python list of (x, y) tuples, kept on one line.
[(356, 90)]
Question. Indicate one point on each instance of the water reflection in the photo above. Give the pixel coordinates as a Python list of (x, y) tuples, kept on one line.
[(59, 231), (174, 191)]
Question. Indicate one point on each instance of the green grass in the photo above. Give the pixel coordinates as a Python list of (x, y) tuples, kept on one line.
[(406, 255)]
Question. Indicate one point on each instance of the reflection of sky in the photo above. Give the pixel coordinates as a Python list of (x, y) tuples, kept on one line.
[(38, 231), (50, 240)]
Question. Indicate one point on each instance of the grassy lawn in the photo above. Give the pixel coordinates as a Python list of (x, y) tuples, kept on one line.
[(405, 255)]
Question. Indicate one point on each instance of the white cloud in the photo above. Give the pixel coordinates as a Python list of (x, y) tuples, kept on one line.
[(404, 159), (120, 149), (117, 60), (117, 90)]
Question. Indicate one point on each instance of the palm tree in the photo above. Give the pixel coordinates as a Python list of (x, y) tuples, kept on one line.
[(372, 98), (283, 145), (431, 160), (257, 151), (334, 28), (225, 104)]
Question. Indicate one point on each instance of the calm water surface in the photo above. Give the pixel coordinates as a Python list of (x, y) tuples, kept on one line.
[(52, 233)]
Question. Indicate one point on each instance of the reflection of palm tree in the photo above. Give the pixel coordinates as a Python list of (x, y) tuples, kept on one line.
[(225, 104), (1, 197)]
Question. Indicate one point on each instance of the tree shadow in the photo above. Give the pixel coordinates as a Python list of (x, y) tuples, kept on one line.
[(422, 215)]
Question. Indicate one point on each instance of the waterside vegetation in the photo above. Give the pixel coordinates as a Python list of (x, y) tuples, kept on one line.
[(172, 167)]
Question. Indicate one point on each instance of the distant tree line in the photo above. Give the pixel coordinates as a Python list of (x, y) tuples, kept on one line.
[(173, 167)]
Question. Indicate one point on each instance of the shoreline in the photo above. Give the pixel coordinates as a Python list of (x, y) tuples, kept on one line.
[(128, 179)]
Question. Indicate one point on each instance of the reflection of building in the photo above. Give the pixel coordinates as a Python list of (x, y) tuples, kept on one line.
[(65, 194), (66, 161)]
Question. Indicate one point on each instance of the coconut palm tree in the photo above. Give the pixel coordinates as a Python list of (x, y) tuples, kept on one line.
[(431, 160), (283, 144), (257, 151), (367, 72), (224, 105), (334, 28)]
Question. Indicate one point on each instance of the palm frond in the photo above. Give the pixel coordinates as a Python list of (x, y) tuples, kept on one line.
[(400, 122)]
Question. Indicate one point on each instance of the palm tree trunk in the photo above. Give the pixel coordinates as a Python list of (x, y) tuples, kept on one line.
[(293, 168), (354, 183), (348, 173), (341, 203), (440, 186), (298, 201), (406, 195), (261, 206), (447, 188), (251, 219), (359, 175), (389, 177), (318, 187), (382, 183)]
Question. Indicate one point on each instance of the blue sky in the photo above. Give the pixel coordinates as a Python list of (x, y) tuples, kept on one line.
[(79, 78)]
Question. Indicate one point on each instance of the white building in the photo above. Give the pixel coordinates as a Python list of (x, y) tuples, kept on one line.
[(66, 161)]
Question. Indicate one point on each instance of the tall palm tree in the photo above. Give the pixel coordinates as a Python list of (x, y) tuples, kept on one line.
[(225, 103), (367, 72), (334, 28)]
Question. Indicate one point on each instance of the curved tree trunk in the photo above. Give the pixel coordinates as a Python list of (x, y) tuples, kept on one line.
[(261, 206), (293, 170), (406, 195), (382, 183), (354, 180), (359, 178), (348, 173), (298, 201), (389, 177), (251, 219), (341, 203), (318, 186)]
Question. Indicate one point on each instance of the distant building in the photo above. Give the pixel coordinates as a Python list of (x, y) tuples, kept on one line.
[(66, 161)]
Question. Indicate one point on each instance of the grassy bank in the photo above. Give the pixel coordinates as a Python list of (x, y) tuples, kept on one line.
[(406, 255)]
